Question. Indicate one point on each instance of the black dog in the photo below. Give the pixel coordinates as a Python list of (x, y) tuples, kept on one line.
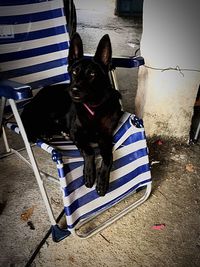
[(44, 116), (88, 108)]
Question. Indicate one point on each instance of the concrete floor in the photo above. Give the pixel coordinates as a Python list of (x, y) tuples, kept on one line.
[(133, 240)]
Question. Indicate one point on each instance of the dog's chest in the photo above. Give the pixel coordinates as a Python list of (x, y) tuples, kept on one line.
[(91, 127), (92, 131)]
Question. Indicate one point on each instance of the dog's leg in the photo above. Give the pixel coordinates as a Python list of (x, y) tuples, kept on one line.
[(89, 170), (103, 176)]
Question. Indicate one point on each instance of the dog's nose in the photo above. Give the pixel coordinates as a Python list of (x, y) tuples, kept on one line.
[(75, 93), (75, 90)]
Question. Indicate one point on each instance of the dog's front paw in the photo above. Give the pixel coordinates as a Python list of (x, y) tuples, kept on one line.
[(89, 180), (102, 189), (103, 178), (102, 186), (89, 174)]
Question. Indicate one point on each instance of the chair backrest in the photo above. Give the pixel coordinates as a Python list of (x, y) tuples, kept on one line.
[(34, 42)]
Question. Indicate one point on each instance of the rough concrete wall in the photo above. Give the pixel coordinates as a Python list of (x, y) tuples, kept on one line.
[(168, 83)]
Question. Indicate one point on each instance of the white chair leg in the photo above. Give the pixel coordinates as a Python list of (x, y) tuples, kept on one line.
[(2, 130), (3, 103), (5, 140), (197, 132), (33, 162)]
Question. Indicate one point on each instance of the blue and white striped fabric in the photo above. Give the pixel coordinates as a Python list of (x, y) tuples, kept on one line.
[(129, 172), (34, 42)]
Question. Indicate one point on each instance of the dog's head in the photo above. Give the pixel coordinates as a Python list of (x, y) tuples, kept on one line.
[(90, 81)]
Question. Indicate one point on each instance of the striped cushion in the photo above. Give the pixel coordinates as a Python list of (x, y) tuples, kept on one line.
[(34, 42)]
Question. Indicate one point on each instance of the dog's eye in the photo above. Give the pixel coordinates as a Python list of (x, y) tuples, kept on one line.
[(74, 72), (92, 74)]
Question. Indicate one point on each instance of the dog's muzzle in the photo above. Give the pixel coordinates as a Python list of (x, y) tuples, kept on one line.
[(75, 93)]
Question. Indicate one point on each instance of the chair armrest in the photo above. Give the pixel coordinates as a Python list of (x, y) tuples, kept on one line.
[(14, 90), (124, 62), (127, 62)]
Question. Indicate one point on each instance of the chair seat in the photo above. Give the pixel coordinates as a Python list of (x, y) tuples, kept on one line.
[(130, 171)]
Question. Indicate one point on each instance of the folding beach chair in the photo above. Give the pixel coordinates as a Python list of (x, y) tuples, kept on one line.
[(34, 49)]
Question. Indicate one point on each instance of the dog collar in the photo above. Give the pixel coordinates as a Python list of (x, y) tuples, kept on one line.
[(89, 109), (92, 112)]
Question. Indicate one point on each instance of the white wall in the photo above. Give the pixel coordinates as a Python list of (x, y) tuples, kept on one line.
[(170, 44)]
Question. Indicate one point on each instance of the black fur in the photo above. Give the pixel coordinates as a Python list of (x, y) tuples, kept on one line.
[(44, 116), (89, 109)]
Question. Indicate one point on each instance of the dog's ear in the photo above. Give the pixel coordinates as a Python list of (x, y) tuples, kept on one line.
[(75, 49), (104, 51)]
